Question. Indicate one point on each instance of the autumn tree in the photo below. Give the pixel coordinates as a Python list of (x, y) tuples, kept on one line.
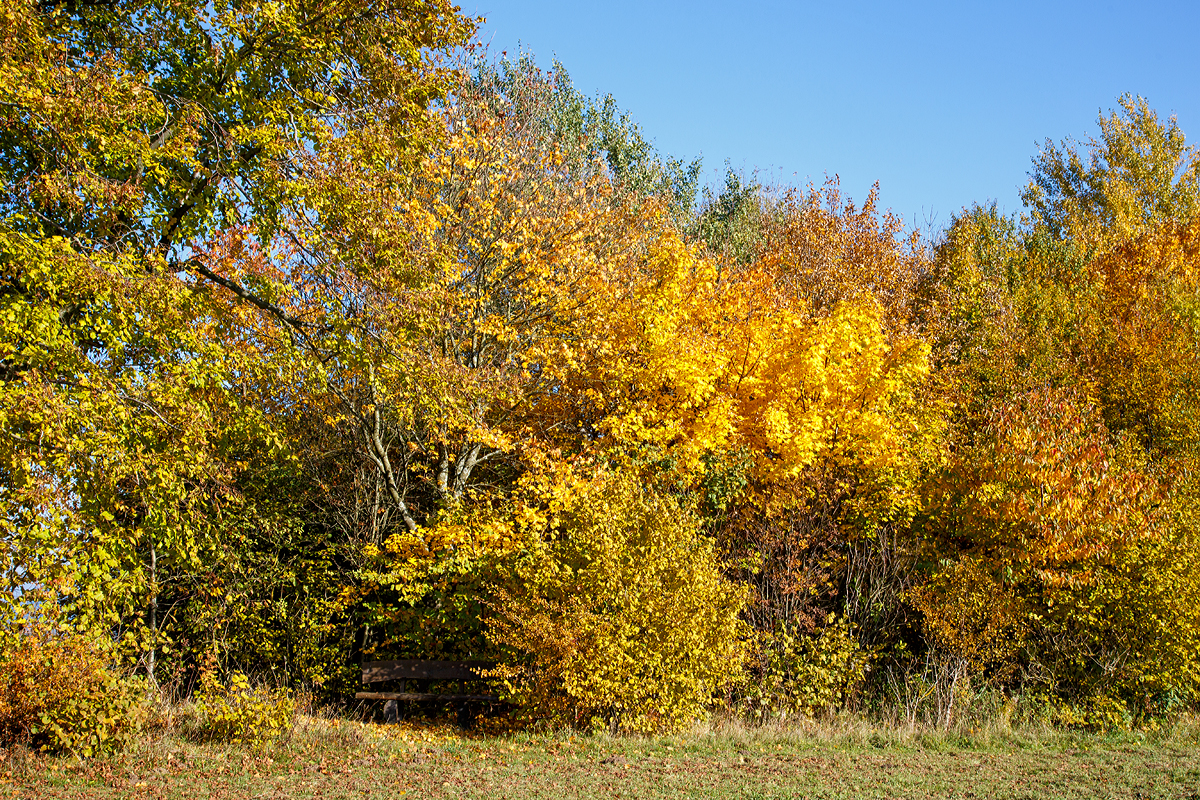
[(1129, 207), (134, 131), (830, 357), (1069, 355), (1137, 175), (1071, 527)]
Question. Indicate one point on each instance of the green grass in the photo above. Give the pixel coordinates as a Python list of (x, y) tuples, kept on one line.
[(842, 759)]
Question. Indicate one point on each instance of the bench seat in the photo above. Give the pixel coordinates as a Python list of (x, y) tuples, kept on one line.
[(412, 697), (403, 670)]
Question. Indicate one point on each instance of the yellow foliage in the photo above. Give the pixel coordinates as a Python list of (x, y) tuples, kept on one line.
[(617, 616), (837, 385), (238, 712), (969, 615), (60, 693), (690, 360)]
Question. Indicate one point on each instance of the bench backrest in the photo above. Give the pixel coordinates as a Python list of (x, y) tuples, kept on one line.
[(408, 669)]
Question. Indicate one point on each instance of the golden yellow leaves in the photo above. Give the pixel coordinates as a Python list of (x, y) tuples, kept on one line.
[(693, 357), (622, 611), (836, 385), (701, 365), (967, 614)]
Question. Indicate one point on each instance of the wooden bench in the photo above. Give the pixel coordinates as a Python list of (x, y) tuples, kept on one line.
[(426, 672)]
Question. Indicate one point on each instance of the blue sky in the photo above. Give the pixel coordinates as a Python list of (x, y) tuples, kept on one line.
[(942, 103)]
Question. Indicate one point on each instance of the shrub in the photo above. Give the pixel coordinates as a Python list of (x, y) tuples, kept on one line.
[(805, 673), (971, 623), (58, 693), (969, 615), (618, 615), (1073, 551), (237, 712)]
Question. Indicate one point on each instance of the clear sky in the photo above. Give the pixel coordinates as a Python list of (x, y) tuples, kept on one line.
[(942, 103)]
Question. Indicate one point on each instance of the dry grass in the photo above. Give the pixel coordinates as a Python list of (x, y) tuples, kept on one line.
[(846, 757)]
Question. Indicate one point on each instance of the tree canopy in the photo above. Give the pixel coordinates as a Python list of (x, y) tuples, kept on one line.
[(324, 338)]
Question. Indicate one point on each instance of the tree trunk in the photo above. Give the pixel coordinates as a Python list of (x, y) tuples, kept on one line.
[(150, 658)]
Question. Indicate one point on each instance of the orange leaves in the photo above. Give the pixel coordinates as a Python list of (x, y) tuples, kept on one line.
[(1141, 335), (1041, 491), (1070, 345), (968, 614), (820, 250)]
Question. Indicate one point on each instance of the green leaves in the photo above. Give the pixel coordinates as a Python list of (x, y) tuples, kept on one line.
[(136, 409), (1138, 175)]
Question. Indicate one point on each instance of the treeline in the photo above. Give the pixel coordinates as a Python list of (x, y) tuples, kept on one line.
[(325, 339)]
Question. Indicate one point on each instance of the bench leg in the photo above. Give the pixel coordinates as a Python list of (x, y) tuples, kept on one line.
[(466, 720), (391, 712)]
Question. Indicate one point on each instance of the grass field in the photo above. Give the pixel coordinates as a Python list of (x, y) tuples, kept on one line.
[(334, 759)]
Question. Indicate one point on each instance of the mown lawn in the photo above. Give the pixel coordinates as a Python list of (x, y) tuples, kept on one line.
[(332, 759)]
